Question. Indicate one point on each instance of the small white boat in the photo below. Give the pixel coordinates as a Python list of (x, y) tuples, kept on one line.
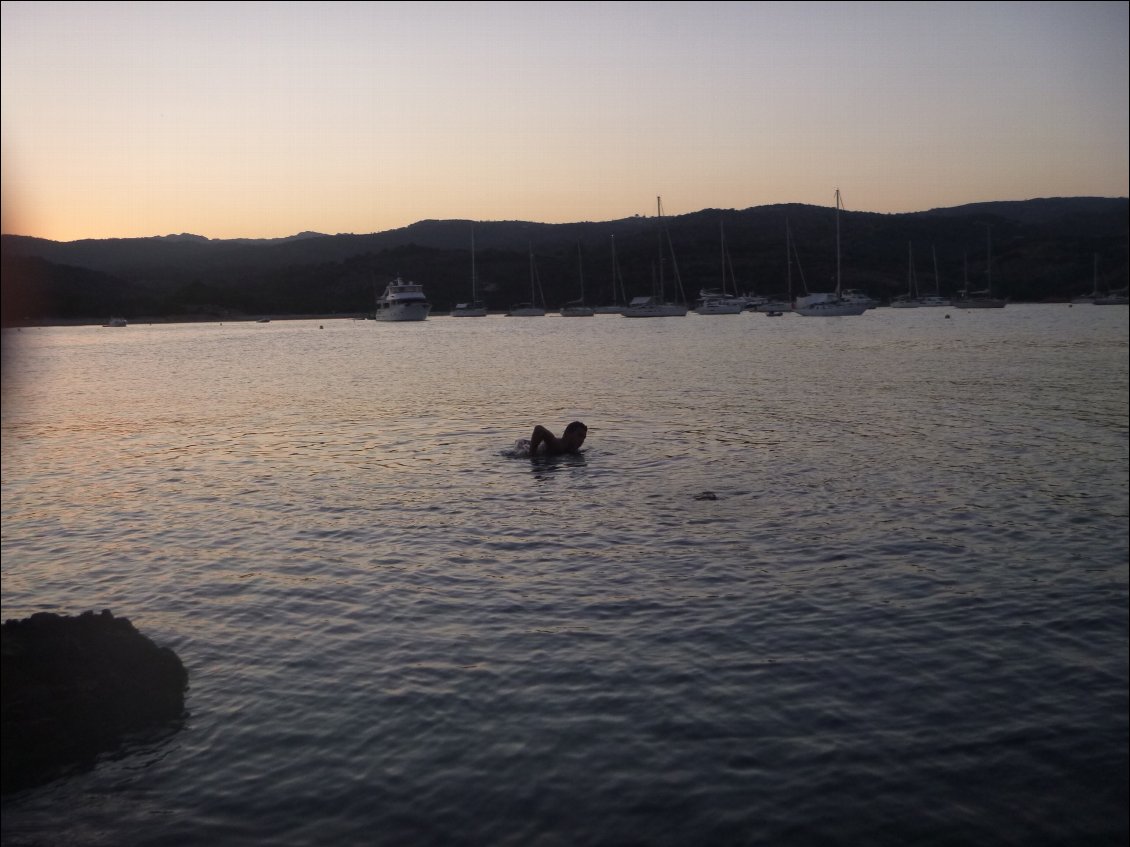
[(402, 301), (116, 322)]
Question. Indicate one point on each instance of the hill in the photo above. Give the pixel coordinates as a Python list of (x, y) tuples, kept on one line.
[(1041, 249)]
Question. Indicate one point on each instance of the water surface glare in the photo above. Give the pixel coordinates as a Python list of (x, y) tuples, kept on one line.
[(903, 619)]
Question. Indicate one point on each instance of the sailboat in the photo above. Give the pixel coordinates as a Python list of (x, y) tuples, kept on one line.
[(721, 302), (830, 304), (1094, 295), (935, 299), (475, 308), (577, 308), (656, 306), (983, 299), (910, 299), (530, 309), (618, 296), (1118, 297)]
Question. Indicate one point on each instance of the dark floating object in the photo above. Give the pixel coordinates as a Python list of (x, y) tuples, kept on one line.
[(706, 495), (74, 687)]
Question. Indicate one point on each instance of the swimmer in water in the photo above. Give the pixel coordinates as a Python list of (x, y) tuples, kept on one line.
[(550, 445)]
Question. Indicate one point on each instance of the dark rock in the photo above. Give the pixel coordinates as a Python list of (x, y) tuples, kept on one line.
[(74, 687)]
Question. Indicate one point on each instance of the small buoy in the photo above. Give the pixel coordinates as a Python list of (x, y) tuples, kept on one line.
[(947, 317)]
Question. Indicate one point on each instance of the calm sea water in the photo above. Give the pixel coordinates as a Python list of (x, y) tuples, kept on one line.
[(903, 619)]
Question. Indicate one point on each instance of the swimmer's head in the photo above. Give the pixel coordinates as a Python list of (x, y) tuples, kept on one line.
[(576, 430)]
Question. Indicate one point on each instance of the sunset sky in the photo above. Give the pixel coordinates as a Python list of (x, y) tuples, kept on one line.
[(263, 120)]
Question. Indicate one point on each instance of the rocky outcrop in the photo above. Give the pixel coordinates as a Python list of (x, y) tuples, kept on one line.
[(74, 687)]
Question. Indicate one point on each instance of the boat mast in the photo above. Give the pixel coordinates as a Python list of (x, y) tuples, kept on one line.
[(615, 274), (789, 258), (659, 218), (937, 282), (722, 241), (910, 269), (989, 259), (837, 243), (581, 272), (474, 297), (533, 276)]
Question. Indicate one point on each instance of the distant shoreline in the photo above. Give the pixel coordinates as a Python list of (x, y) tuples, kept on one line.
[(242, 319), (184, 319)]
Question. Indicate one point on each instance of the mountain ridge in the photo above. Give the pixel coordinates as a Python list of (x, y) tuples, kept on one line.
[(1042, 249)]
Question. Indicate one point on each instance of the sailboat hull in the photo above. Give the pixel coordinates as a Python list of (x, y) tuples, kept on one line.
[(526, 310), (830, 309), (646, 307), (466, 310), (979, 303)]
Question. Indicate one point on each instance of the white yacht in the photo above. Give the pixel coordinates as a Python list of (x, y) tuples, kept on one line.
[(402, 301)]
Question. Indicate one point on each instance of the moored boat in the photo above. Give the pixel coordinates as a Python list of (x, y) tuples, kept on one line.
[(650, 307), (577, 308), (721, 301), (656, 305), (530, 309), (984, 298), (475, 308), (830, 304), (402, 301)]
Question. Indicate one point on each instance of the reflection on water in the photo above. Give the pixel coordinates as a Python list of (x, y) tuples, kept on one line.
[(902, 619)]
